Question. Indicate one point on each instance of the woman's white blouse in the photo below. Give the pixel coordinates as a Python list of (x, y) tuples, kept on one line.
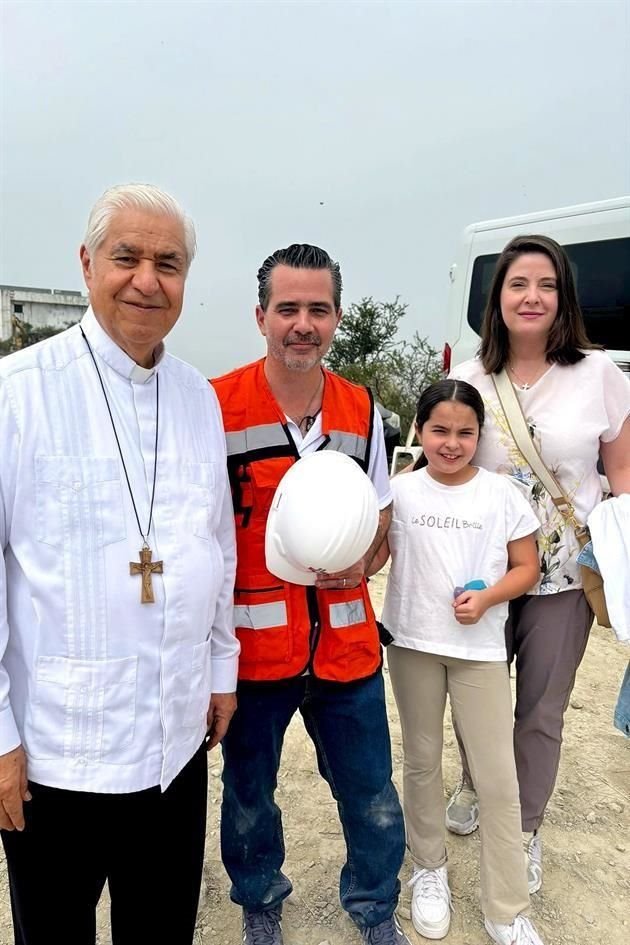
[(569, 410)]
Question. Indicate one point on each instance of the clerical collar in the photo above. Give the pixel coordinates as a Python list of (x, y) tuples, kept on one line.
[(140, 375), (114, 356)]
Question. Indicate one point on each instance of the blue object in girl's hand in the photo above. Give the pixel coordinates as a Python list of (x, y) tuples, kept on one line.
[(587, 558), (476, 585)]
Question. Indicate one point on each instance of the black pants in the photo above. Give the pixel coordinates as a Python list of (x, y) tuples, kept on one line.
[(147, 845)]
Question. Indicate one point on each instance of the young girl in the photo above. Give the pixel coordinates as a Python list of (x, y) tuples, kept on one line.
[(454, 524)]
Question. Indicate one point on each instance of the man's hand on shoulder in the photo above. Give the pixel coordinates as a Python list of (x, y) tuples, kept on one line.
[(13, 789), (220, 711)]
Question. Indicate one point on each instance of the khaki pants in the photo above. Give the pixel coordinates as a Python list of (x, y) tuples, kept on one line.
[(481, 702), (547, 637)]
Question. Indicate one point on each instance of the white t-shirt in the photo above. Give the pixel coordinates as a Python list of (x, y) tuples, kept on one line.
[(440, 538), (569, 409)]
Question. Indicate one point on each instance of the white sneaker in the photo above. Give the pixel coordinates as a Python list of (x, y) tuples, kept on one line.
[(520, 932), (430, 902), (532, 845), (462, 810)]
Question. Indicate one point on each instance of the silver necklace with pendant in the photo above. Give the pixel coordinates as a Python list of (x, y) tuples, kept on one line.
[(525, 385)]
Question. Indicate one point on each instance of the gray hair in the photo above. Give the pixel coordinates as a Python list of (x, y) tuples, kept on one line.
[(298, 256), (144, 197)]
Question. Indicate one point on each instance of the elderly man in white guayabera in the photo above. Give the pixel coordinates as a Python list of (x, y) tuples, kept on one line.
[(118, 659)]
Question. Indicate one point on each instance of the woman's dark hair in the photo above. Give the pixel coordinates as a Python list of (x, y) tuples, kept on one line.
[(437, 393), (567, 334)]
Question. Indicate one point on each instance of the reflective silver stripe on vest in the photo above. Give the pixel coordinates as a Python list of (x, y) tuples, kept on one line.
[(255, 438), (348, 443), (260, 616), (347, 614)]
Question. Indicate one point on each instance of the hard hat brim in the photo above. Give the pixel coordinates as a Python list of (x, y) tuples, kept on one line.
[(281, 568)]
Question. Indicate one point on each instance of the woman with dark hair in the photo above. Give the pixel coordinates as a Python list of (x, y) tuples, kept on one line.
[(577, 406)]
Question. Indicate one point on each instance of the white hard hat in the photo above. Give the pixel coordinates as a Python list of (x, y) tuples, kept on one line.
[(323, 517)]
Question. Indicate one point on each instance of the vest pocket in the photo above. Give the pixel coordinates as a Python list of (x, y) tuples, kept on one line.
[(266, 474), (262, 625), (347, 614), (83, 710), (349, 646)]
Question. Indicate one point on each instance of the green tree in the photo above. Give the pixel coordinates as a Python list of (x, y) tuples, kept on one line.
[(367, 349), (23, 334)]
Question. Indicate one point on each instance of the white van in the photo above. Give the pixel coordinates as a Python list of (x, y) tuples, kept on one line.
[(596, 237)]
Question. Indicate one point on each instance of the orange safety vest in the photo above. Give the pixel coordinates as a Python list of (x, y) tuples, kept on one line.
[(285, 629)]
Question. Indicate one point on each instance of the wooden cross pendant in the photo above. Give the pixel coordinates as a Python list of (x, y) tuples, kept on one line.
[(146, 568)]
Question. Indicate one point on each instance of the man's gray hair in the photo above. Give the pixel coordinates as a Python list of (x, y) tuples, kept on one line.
[(144, 197)]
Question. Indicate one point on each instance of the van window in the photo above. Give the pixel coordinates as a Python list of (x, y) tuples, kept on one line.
[(602, 273)]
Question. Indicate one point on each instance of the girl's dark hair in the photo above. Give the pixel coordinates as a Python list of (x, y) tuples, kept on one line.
[(567, 334), (437, 393)]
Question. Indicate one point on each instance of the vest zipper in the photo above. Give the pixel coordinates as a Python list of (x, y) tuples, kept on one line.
[(315, 620)]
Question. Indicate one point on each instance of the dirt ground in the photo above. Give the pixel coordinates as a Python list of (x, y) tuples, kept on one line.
[(585, 899)]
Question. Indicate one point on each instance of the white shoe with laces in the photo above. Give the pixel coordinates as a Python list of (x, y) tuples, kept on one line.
[(430, 902), (520, 932)]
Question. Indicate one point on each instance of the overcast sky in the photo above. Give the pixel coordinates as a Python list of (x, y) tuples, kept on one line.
[(377, 130)]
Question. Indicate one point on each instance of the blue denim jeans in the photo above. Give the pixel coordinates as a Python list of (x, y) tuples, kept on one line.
[(348, 725), (622, 709)]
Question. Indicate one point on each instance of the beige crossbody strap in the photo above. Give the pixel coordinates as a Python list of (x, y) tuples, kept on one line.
[(517, 423)]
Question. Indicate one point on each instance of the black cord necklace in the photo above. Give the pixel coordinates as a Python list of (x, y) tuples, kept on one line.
[(308, 419), (145, 566)]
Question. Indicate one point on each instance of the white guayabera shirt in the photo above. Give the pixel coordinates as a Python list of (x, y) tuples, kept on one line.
[(107, 694)]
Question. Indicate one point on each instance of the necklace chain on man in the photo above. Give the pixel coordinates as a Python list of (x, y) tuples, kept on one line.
[(308, 419), (146, 567)]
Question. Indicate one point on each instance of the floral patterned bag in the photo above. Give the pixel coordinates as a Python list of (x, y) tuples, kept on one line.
[(592, 582)]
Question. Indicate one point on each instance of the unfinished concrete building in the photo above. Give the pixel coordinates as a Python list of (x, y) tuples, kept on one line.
[(40, 308)]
